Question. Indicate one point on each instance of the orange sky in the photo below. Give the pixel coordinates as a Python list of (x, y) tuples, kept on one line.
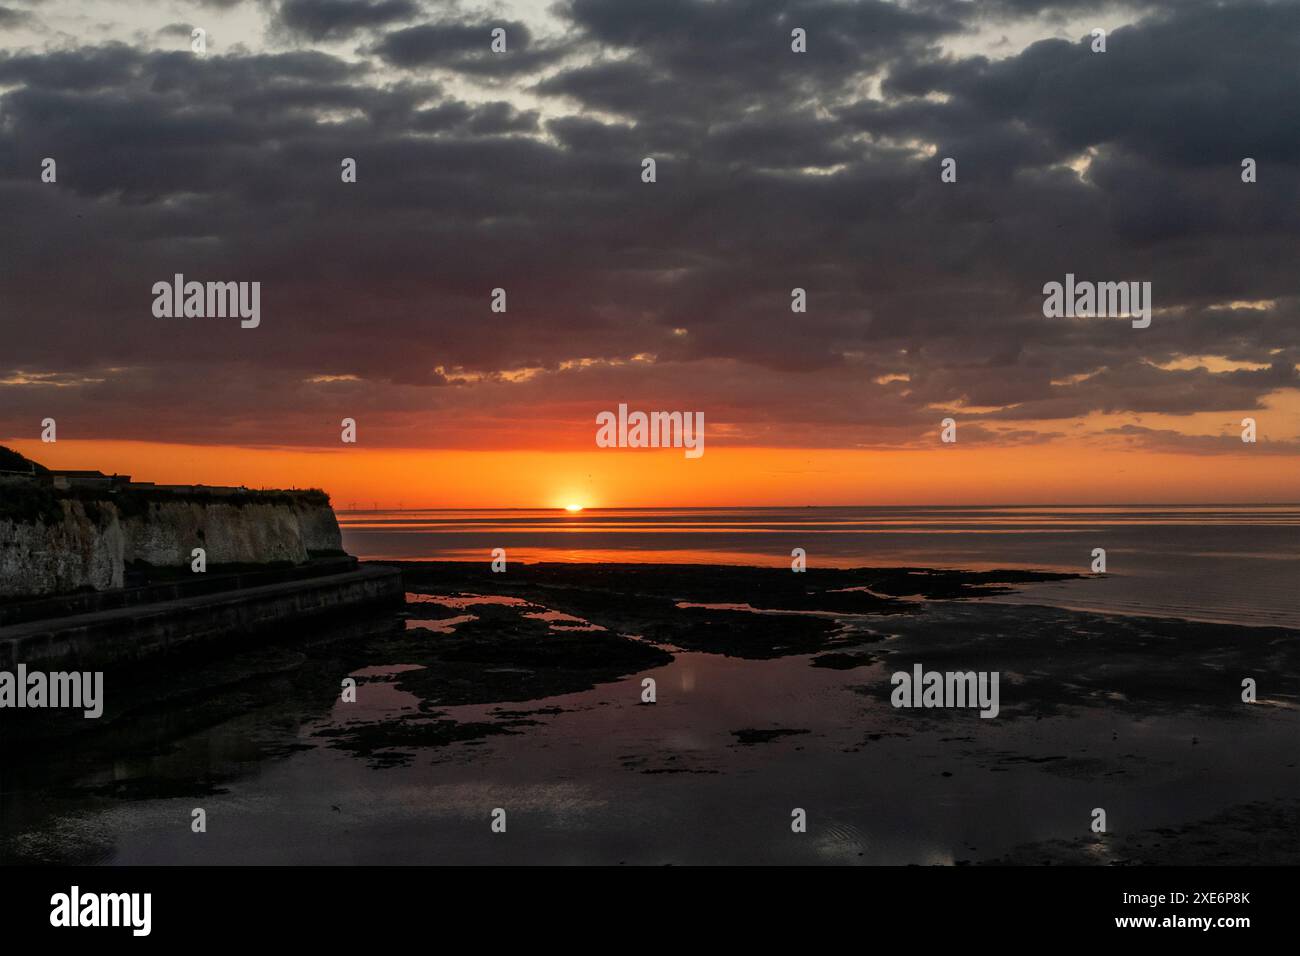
[(1060, 472)]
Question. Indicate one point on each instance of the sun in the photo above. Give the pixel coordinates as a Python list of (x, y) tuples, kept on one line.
[(573, 509)]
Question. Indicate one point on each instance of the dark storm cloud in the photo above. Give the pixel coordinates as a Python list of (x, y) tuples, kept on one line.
[(185, 30), (1001, 11), (1195, 85), (465, 48), (484, 120), (709, 60), (727, 36), (12, 18), (337, 19), (88, 68), (775, 170), (1141, 387)]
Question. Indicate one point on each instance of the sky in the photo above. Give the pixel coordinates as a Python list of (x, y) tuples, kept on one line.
[(775, 170)]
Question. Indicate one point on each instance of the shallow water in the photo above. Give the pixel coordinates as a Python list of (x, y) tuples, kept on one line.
[(599, 777)]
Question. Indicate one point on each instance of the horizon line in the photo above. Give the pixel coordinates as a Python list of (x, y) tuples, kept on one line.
[(1108, 504)]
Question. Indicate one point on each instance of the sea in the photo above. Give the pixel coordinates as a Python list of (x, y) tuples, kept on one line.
[(710, 773), (1234, 564)]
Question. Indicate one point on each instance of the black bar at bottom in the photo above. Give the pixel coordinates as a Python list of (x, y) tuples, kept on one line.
[(367, 905)]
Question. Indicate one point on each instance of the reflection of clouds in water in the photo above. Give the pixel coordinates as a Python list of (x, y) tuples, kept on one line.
[(560, 621), (446, 625), (594, 777), (377, 694), (464, 600)]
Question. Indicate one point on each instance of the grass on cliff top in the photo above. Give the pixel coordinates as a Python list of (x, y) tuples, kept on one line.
[(138, 502), (28, 503)]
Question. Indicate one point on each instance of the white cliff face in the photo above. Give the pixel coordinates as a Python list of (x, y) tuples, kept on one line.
[(94, 542), (167, 534), (82, 551), (320, 527)]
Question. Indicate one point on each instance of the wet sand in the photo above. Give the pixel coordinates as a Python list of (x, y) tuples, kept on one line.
[(524, 691)]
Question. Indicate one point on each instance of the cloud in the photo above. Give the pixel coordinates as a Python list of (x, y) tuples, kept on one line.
[(339, 19), (12, 18), (465, 47), (1229, 443), (775, 171)]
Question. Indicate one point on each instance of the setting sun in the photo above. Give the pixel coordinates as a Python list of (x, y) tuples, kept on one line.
[(573, 508)]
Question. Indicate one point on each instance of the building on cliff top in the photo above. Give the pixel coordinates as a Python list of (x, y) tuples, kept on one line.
[(65, 479), (84, 479)]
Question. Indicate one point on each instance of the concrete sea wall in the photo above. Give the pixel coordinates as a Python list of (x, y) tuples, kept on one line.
[(132, 634)]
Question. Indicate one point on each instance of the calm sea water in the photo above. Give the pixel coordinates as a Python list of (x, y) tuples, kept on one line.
[(1235, 564)]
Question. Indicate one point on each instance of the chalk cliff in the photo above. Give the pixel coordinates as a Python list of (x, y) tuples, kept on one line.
[(81, 549), (55, 543)]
